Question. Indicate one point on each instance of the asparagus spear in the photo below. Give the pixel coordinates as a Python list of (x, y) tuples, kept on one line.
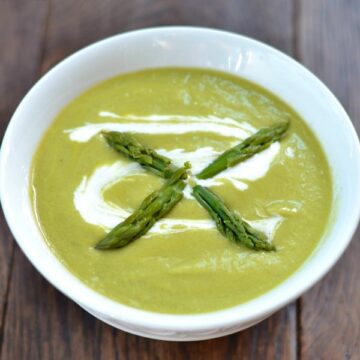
[(148, 158), (154, 207), (228, 223), (247, 148)]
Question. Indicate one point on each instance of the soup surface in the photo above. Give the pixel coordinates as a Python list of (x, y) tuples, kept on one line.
[(81, 188)]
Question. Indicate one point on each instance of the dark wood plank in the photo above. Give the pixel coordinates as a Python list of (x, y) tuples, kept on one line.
[(271, 339), (42, 323), (21, 37), (329, 45), (76, 24)]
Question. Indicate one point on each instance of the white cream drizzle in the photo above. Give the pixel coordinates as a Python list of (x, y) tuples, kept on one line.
[(163, 124), (94, 209), (188, 118), (88, 196)]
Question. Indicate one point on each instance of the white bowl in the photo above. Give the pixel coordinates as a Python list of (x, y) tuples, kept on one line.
[(184, 47)]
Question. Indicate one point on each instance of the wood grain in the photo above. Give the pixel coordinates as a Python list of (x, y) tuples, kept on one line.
[(43, 324), (329, 45), (76, 24), (21, 46)]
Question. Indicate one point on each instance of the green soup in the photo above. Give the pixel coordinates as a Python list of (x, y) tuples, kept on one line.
[(81, 188)]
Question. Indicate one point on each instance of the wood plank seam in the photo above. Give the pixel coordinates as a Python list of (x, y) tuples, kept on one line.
[(297, 56), (296, 29), (44, 39), (7, 290), (295, 53)]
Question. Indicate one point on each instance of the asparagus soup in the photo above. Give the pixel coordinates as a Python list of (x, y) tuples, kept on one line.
[(180, 190)]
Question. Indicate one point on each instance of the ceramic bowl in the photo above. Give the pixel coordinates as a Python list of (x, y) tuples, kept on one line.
[(182, 47)]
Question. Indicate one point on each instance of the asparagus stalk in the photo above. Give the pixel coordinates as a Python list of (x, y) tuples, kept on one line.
[(154, 207), (247, 148), (133, 149), (228, 223)]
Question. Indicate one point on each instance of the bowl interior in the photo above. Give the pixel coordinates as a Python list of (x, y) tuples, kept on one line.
[(183, 47)]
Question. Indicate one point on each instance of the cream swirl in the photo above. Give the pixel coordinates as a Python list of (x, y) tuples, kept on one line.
[(94, 209)]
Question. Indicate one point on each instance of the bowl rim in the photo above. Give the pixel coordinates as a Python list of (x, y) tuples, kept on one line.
[(87, 297)]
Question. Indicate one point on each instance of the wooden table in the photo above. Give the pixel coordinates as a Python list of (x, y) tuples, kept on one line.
[(36, 321)]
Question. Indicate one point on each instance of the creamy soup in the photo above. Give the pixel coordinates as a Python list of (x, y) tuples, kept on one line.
[(81, 189)]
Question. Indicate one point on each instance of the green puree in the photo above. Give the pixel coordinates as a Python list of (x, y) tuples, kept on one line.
[(196, 270)]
